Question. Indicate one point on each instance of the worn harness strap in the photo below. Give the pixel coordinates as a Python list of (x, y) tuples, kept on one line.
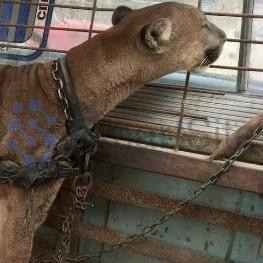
[(83, 139)]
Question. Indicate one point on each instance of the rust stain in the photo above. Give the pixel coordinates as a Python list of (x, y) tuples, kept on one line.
[(241, 176), (230, 220), (145, 247)]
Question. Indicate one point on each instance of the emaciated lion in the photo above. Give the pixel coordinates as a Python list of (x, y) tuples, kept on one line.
[(143, 45)]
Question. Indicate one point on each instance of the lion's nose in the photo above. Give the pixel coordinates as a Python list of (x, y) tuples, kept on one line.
[(222, 35)]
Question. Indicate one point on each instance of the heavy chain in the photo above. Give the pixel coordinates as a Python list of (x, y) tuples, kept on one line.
[(81, 203), (81, 193), (61, 91), (79, 197), (180, 206)]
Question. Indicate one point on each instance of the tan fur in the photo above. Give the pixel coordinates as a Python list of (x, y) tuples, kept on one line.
[(231, 143), (144, 45)]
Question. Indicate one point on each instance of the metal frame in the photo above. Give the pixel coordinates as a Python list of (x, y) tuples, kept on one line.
[(242, 66), (133, 154)]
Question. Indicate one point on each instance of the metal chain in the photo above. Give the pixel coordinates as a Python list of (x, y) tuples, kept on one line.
[(149, 228), (81, 193), (79, 196), (61, 91), (180, 206)]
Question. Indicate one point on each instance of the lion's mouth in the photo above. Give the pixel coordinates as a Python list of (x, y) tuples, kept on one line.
[(211, 55)]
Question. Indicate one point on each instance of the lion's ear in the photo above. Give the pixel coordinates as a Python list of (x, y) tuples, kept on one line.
[(157, 35), (119, 13)]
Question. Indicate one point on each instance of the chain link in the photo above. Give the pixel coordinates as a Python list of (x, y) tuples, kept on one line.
[(61, 91), (79, 197), (81, 193), (180, 206)]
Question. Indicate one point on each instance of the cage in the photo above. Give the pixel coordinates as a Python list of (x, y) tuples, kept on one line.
[(156, 144)]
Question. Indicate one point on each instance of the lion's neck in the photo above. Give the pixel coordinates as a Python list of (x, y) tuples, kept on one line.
[(104, 73)]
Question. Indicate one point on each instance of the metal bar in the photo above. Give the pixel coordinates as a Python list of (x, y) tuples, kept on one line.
[(145, 247), (199, 5), (190, 89), (237, 68), (232, 220), (58, 5), (244, 176), (244, 50), (246, 41), (92, 18), (4, 45), (52, 28), (233, 15), (147, 109), (112, 9), (178, 135), (236, 40)]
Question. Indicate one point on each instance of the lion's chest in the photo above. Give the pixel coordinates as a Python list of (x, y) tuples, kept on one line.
[(28, 118)]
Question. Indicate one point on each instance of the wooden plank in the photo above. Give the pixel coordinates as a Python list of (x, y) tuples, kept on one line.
[(242, 176), (144, 247), (234, 221)]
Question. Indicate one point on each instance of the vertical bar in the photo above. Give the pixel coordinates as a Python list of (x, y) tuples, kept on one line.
[(22, 20), (245, 48), (13, 19), (180, 124), (188, 74), (31, 19), (5, 19), (94, 9), (77, 240)]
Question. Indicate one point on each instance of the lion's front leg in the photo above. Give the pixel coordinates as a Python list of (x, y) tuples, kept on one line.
[(22, 211)]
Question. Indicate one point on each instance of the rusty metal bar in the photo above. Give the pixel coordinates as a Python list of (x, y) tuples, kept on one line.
[(146, 109), (190, 89), (145, 247), (92, 18), (246, 41), (236, 40), (178, 135), (53, 28), (232, 220), (2, 45), (237, 68), (57, 5), (233, 15), (112, 9), (244, 176)]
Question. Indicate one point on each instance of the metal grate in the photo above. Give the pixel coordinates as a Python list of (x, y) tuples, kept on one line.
[(181, 112)]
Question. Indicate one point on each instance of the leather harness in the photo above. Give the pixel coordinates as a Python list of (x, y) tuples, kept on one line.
[(71, 155)]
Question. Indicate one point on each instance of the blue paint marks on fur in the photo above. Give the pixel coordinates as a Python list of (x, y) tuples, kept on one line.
[(20, 128), (35, 105), (29, 159), (51, 121), (15, 125), (33, 123), (31, 141), (17, 107), (13, 144), (50, 139), (47, 157)]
